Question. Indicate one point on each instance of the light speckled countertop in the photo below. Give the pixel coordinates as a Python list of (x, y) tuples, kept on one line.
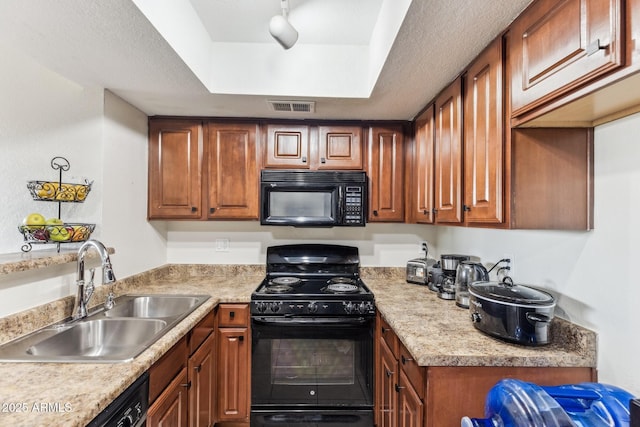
[(433, 330)]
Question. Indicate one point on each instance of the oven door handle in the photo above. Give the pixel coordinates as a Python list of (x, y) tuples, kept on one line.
[(306, 321)]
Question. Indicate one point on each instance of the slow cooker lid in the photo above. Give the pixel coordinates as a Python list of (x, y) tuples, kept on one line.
[(507, 291)]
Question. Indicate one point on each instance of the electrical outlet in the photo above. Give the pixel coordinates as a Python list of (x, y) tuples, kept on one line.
[(222, 245), (510, 264), (424, 247)]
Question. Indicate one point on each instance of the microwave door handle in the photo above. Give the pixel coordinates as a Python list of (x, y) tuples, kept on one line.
[(340, 213)]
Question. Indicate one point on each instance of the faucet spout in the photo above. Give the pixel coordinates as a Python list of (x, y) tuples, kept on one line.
[(84, 293)]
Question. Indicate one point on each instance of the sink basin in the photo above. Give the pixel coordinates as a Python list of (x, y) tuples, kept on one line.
[(116, 335), (103, 338), (154, 306)]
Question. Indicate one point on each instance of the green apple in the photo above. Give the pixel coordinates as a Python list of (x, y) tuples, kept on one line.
[(34, 221), (54, 221), (59, 233)]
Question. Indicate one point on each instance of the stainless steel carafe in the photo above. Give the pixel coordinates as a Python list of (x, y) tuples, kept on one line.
[(467, 273)]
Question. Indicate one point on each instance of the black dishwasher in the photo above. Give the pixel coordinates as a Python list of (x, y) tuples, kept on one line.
[(127, 410)]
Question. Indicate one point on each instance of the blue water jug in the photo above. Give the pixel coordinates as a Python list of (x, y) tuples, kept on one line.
[(515, 403)]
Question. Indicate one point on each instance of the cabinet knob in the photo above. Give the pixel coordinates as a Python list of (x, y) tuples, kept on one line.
[(186, 385), (212, 210), (388, 373), (383, 329), (594, 47), (425, 212), (241, 338), (375, 213), (323, 160), (304, 159), (232, 314), (194, 209), (198, 368), (398, 388), (405, 359), (466, 208)]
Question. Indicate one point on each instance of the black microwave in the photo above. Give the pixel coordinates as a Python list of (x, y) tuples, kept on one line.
[(313, 198)]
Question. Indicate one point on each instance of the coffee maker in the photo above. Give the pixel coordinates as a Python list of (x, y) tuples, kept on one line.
[(442, 276)]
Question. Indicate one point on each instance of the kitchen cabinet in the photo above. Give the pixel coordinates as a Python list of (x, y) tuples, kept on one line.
[(385, 170), (484, 138), (433, 396), (175, 169), (448, 155), (233, 363), (233, 181), (329, 147), (421, 178), (560, 45), (181, 383)]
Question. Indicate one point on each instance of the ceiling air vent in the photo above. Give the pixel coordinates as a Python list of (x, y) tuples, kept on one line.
[(293, 106)]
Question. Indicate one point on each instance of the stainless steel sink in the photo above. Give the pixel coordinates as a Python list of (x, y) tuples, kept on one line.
[(153, 306), (116, 335)]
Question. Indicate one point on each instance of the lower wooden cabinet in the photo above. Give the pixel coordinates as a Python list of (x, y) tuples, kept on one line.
[(234, 363), (408, 395), (182, 382)]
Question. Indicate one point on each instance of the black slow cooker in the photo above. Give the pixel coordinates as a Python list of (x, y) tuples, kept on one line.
[(515, 313)]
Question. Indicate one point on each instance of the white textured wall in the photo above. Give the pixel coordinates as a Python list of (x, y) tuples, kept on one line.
[(594, 274)]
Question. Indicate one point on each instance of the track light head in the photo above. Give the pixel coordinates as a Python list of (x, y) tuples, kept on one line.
[(281, 29)]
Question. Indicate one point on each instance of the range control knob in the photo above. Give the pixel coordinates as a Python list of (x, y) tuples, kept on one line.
[(364, 307), (312, 307), (348, 307), (261, 306), (476, 317), (275, 307)]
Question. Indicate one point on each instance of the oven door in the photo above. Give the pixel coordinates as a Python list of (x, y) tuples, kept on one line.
[(310, 363)]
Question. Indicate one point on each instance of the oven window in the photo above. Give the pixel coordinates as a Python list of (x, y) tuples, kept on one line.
[(321, 362), (300, 204)]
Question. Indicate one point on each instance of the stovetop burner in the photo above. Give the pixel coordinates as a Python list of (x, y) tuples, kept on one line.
[(278, 289), (284, 281), (340, 288)]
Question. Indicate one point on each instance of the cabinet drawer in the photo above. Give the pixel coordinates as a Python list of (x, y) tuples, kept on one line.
[(201, 331), (165, 369), (415, 373), (233, 315), (389, 337)]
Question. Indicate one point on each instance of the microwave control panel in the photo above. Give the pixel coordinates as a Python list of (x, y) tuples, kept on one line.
[(354, 206)]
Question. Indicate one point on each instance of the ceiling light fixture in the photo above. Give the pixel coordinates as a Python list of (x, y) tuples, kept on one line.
[(281, 29)]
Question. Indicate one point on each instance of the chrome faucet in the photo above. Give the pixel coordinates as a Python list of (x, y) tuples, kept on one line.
[(85, 292)]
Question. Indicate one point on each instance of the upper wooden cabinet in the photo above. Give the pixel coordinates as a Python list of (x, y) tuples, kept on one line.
[(560, 45), (287, 146), (448, 154), (233, 171), (318, 147), (175, 169), (422, 187), (484, 138), (385, 170)]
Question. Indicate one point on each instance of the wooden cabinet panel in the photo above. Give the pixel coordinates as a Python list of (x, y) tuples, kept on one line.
[(170, 409), (233, 171), (454, 392), (560, 45), (410, 406), (287, 146), (484, 138), (385, 170), (202, 391), (233, 315), (340, 147), (448, 154), (175, 169), (423, 167), (387, 373), (164, 370), (233, 374)]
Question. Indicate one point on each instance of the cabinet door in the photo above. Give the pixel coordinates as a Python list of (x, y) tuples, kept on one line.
[(233, 374), (559, 45), (170, 409), (340, 147), (202, 392), (483, 138), (448, 149), (423, 162), (386, 174), (175, 169), (233, 171), (387, 405), (410, 406), (287, 147)]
